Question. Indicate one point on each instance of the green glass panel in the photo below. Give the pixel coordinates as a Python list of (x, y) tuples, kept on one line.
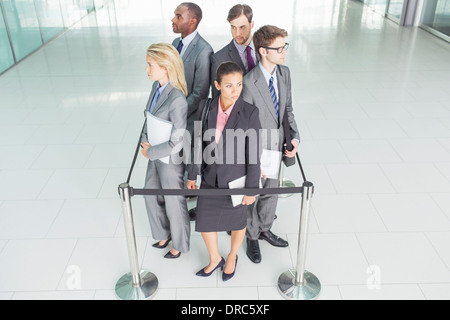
[(23, 26), (6, 56)]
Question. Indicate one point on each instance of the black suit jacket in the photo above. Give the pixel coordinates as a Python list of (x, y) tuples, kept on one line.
[(238, 152)]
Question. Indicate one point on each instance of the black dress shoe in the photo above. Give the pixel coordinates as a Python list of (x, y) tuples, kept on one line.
[(169, 255), (157, 245), (202, 272), (228, 276), (192, 214), (253, 252), (273, 239)]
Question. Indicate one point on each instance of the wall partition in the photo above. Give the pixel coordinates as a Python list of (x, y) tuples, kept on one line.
[(26, 25)]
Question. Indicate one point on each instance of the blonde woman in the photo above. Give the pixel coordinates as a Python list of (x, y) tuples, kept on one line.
[(168, 215)]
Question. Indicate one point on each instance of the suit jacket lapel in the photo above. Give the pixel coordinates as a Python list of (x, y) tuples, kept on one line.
[(282, 91), (191, 47), (234, 55), (234, 115), (152, 94), (263, 88), (162, 98)]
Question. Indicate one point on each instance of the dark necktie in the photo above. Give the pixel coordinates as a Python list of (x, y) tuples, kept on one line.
[(180, 46), (250, 62), (274, 96)]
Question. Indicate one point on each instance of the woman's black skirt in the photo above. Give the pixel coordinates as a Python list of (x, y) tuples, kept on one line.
[(216, 213)]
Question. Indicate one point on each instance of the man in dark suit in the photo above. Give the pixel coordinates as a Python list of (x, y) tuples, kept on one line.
[(195, 53), (268, 87), (241, 49)]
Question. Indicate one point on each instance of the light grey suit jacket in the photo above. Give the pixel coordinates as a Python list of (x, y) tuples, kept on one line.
[(171, 106), (197, 68), (256, 92)]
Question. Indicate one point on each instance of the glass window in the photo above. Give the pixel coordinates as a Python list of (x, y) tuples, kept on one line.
[(50, 18), (395, 8), (436, 15), (23, 26), (6, 56)]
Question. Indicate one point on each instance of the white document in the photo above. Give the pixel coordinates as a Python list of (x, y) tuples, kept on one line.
[(239, 183), (158, 131), (270, 163)]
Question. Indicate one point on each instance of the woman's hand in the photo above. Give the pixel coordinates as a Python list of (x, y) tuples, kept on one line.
[(263, 175), (145, 146), (248, 200), (190, 184)]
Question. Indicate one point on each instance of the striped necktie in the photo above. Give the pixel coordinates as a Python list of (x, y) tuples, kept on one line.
[(274, 97)]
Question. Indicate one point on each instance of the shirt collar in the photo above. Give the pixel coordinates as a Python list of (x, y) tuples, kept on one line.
[(188, 39), (266, 73), (161, 89), (228, 111), (241, 47)]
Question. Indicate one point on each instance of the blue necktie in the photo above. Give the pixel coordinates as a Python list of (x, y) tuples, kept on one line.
[(180, 46), (274, 96), (155, 99)]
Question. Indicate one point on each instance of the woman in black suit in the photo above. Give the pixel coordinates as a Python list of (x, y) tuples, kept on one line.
[(230, 152)]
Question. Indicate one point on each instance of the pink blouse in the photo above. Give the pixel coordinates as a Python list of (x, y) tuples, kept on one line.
[(222, 118)]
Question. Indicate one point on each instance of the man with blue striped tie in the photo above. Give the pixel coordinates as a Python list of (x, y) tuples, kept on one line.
[(268, 87)]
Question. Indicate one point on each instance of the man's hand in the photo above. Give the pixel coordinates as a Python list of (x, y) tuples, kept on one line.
[(291, 154), (248, 200), (190, 184)]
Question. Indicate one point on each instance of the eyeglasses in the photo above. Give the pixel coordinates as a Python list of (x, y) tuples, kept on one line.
[(279, 49)]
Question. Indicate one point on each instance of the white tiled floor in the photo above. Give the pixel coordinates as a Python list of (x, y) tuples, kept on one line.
[(373, 105)]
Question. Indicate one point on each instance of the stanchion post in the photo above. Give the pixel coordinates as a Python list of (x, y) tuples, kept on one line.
[(283, 183), (136, 284), (297, 283)]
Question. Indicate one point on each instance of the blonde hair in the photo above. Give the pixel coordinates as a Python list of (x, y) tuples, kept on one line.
[(166, 56)]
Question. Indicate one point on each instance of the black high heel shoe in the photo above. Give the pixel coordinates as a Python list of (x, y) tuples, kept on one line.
[(202, 272), (170, 255), (226, 276), (157, 245)]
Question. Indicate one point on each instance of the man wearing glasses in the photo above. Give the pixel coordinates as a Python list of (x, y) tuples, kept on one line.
[(268, 87)]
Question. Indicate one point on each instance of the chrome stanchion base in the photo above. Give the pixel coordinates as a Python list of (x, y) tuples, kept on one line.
[(285, 183), (310, 289), (126, 291)]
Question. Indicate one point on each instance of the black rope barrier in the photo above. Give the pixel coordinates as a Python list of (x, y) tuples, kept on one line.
[(215, 192), (209, 192)]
